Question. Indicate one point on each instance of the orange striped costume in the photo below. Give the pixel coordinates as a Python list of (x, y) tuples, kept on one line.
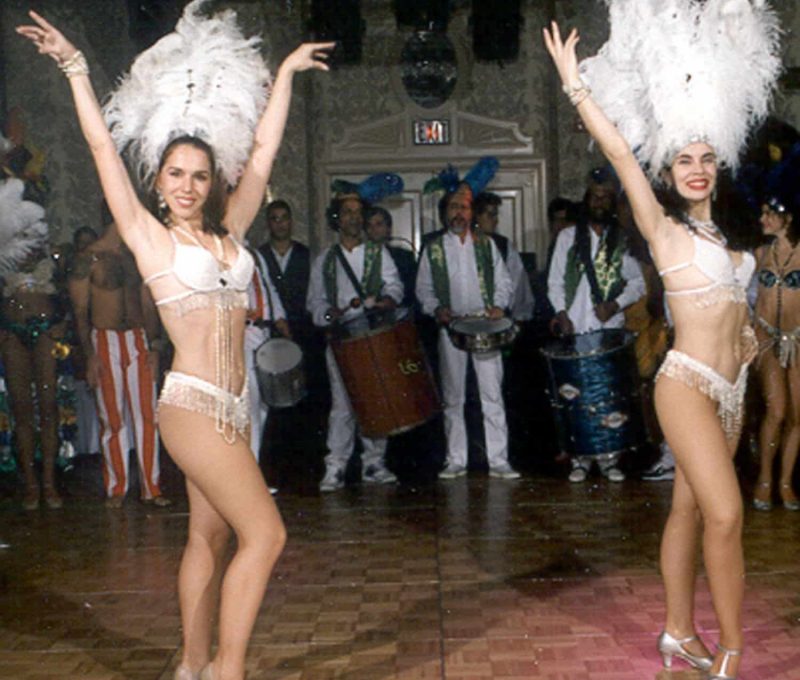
[(126, 388)]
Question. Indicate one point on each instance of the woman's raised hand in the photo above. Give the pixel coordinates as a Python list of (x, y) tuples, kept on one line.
[(563, 53), (47, 38), (308, 56)]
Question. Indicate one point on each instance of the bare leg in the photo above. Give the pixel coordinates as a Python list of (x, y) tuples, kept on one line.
[(228, 478), (46, 377), (774, 387), (791, 436), (199, 578), (19, 377), (704, 460)]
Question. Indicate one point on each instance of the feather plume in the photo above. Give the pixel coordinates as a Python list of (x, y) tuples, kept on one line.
[(204, 79), (481, 174), (22, 226), (782, 185), (675, 72), (379, 186)]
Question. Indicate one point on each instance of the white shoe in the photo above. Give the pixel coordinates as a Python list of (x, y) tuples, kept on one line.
[(578, 474), (378, 474), (613, 474), (658, 472), (333, 479), (504, 471), (452, 471)]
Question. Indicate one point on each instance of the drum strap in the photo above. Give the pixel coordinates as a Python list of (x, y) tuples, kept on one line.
[(259, 260), (371, 282)]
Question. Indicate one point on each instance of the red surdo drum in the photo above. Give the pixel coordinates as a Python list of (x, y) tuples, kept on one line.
[(385, 373)]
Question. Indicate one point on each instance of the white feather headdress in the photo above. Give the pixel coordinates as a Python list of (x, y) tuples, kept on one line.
[(205, 79), (675, 72), (22, 226)]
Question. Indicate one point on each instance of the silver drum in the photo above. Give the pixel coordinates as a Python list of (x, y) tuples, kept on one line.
[(480, 334), (279, 369)]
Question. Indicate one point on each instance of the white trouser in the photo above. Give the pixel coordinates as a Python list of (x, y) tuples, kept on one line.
[(253, 338), (489, 372), (342, 426)]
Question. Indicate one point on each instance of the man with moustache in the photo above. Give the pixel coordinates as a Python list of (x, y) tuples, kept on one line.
[(337, 296), (592, 279), (461, 272), (117, 327)]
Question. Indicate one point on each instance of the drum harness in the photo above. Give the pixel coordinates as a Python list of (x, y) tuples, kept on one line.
[(263, 323), (374, 317)]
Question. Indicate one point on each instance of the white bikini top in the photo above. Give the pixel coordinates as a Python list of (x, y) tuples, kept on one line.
[(205, 279), (727, 281)]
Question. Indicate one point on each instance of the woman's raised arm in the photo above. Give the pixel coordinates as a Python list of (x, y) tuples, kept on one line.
[(245, 202), (647, 212), (131, 217)]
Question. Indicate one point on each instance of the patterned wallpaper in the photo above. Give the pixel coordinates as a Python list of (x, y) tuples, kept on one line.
[(324, 105)]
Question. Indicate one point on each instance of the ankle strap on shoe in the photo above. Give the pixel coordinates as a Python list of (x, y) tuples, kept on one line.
[(728, 653)]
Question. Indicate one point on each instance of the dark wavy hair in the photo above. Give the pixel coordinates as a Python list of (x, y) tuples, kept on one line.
[(214, 207), (444, 201), (729, 211), (335, 208)]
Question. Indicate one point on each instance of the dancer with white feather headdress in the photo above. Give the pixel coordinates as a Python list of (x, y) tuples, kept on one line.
[(192, 115), (677, 88)]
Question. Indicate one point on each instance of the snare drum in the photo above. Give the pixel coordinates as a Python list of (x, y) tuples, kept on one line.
[(480, 334), (385, 373), (594, 392), (279, 370)]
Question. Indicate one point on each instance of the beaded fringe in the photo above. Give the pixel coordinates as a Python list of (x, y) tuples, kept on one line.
[(695, 374), (193, 394)]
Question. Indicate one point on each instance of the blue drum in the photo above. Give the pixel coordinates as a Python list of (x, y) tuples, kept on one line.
[(594, 391)]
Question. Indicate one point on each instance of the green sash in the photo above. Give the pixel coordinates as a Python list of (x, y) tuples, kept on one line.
[(371, 279), (607, 268), (483, 262)]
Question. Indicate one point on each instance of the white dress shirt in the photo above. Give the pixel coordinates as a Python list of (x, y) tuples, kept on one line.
[(317, 301), (462, 271), (581, 311)]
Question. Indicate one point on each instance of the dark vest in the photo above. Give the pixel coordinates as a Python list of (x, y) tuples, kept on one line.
[(292, 285)]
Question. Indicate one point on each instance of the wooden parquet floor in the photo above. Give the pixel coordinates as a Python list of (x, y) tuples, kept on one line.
[(465, 580)]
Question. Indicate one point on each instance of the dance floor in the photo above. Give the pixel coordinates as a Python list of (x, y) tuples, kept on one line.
[(469, 579)]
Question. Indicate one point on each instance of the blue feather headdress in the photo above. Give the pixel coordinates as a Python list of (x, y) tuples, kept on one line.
[(375, 188), (477, 178)]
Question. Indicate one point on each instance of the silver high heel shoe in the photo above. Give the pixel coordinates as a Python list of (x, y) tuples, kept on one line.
[(793, 505), (723, 669), (207, 673), (183, 673), (669, 646), (760, 504)]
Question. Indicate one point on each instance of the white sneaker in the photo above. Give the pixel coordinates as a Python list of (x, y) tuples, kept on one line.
[(578, 474), (452, 471), (613, 474), (378, 474), (658, 472), (504, 471), (333, 479)]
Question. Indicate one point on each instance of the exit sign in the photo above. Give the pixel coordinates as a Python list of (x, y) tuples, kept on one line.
[(431, 132)]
